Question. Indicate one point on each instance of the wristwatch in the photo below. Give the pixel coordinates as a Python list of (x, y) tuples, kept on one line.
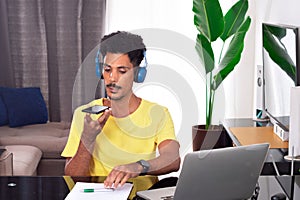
[(145, 164)]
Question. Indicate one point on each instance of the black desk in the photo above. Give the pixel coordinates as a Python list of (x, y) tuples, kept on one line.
[(57, 188), (39, 187), (14, 188)]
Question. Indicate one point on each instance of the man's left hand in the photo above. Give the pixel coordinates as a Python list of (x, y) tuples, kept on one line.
[(120, 174)]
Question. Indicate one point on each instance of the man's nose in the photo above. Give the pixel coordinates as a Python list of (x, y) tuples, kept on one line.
[(113, 76)]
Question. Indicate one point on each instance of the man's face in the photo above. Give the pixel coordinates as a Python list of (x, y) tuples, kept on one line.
[(118, 75)]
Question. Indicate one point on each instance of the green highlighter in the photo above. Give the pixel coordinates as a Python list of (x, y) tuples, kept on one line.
[(89, 190)]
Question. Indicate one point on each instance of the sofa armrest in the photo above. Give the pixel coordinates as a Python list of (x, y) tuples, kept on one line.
[(6, 163)]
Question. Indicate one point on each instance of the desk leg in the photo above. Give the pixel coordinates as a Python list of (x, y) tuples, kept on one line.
[(297, 187)]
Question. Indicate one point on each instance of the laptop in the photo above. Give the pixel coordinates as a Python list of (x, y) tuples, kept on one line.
[(218, 174)]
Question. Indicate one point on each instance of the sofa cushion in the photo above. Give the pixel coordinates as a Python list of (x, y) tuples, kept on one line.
[(24, 106), (3, 113), (25, 159), (51, 137)]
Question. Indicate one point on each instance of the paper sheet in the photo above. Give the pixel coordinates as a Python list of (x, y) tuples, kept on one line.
[(118, 194)]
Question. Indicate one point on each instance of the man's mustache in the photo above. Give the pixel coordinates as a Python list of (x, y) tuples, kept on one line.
[(113, 85)]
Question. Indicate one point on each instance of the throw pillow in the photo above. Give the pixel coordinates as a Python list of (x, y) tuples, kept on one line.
[(3, 113), (25, 106)]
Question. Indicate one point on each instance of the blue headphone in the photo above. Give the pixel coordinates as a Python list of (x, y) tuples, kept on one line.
[(98, 68), (139, 73)]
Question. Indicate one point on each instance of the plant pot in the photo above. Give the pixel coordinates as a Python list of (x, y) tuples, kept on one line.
[(212, 138)]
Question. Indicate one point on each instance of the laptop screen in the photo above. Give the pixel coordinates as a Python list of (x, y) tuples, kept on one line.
[(227, 173)]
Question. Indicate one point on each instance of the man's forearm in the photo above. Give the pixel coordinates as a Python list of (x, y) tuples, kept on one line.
[(163, 165), (79, 164), (168, 160)]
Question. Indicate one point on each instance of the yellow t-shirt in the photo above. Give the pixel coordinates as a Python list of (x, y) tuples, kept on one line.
[(123, 140)]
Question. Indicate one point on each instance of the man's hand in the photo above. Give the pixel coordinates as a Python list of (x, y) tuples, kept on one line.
[(168, 161), (93, 127), (79, 164), (120, 174)]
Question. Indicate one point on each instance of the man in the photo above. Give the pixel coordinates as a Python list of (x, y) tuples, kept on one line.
[(121, 143)]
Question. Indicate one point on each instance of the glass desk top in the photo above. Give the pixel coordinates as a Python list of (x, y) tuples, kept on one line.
[(57, 188), (39, 187)]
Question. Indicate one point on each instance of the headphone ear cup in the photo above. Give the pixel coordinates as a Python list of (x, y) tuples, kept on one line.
[(98, 72), (98, 67), (140, 74)]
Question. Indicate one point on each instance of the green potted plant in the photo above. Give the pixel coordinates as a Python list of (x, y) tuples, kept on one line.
[(212, 26)]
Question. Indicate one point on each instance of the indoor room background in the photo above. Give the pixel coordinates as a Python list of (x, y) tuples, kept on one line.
[(174, 17)]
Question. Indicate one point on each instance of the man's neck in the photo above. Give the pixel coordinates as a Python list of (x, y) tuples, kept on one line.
[(124, 107)]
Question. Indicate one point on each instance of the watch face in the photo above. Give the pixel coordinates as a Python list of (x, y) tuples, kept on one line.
[(145, 166)]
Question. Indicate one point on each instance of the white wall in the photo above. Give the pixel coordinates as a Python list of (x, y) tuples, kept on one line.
[(177, 15)]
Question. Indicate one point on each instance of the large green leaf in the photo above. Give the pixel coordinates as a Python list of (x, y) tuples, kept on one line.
[(205, 52), (277, 52), (232, 55), (208, 18), (234, 18)]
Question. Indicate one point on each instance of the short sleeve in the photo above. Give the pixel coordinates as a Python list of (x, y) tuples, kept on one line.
[(166, 128)]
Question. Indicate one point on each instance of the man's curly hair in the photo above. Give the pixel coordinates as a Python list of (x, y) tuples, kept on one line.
[(125, 43)]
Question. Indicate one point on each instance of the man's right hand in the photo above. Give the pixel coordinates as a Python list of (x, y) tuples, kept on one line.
[(92, 127), (79, 164)]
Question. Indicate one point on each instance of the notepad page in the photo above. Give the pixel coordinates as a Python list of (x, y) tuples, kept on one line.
[(119, 193)]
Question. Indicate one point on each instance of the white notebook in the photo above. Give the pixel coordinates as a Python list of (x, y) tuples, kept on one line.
[(100, 192)]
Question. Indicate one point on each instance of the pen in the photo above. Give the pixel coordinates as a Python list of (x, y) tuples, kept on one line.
[(89, 190)]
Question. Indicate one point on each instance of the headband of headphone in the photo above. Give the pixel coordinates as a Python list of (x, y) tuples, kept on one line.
[(139, 73)]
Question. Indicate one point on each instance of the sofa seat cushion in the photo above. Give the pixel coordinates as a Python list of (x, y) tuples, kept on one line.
[(50, 138), (25, 159)]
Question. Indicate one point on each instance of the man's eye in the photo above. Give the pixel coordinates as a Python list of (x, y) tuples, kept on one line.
[(122, 71), (107, 69)]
